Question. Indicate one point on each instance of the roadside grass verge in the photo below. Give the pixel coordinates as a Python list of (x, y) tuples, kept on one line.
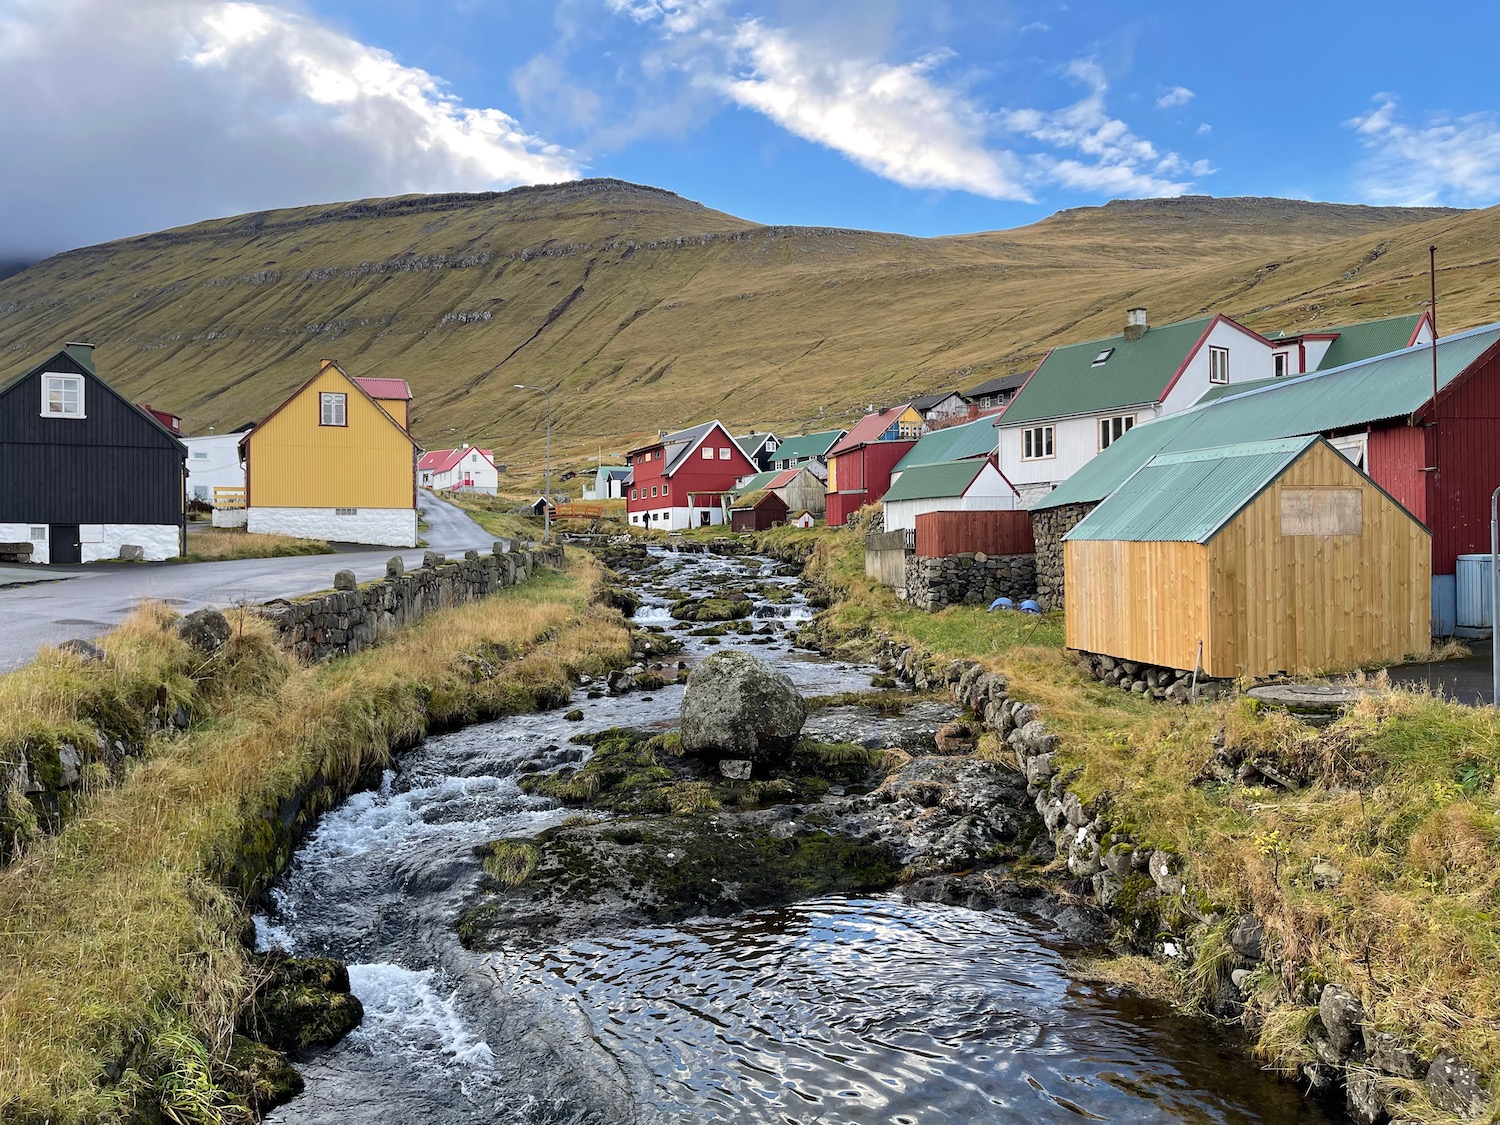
[(497, 516), (1381, 872), (220, 544), (120, 936)]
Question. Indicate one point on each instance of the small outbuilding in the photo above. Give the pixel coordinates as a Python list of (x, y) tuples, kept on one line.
[(757, 511), (803, 520), (1277, 557), (974, 485)]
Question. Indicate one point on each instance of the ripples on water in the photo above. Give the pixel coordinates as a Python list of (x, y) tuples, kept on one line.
[(836, 1010)]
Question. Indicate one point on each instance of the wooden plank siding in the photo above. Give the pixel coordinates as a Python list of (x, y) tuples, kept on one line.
[(958, 533), (1263, 603)]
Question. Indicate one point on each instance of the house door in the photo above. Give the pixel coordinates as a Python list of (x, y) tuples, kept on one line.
[(703, 519), (65, 543)]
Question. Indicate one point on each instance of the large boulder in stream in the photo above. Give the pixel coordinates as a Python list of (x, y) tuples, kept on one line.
[(737, 706)]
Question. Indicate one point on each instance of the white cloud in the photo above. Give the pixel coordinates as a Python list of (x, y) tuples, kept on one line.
[(1176, 96), (1205, 129), (1035, 25), (1114, 159), (176, 110), (894, 120), (1446, 160)]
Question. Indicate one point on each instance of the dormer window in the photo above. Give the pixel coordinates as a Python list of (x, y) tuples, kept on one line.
[(1103, 357), (62, 396)]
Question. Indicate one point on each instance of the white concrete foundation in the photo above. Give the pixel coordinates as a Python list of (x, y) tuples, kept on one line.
[(21, 533), (676, 519), (387, 527), (100, 541), (230, 517)]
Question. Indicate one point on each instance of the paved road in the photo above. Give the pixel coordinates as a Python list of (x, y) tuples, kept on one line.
[(1468, 681), (88, 601)]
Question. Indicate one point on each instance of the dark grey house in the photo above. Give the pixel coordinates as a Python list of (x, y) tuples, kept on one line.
[(84, 472)]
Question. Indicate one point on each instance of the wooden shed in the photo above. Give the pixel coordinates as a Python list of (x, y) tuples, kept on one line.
[(1278, 556), (757, 511)]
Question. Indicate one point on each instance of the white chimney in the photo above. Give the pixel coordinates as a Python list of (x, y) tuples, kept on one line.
[(1135, 323)]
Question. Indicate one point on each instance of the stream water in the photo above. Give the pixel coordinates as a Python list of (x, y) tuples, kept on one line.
[(831, 1010)]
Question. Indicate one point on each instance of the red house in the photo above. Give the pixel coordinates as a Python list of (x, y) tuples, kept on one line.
[(679, 480), (859, 466)]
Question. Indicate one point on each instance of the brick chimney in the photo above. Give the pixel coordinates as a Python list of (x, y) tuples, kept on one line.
[(1135, 324)]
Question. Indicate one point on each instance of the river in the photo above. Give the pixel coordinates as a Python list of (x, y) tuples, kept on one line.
[(832, 1010)]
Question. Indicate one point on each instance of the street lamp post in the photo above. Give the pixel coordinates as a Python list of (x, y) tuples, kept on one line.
[(547, 486)]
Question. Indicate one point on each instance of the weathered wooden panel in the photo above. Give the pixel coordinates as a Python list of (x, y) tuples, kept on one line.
[(885, 556), (1137, 601), (1322, 511), (962, 533)]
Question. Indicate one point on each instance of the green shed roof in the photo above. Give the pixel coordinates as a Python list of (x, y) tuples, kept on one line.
[(1388, 386), (755, 483), (808, 445), (935, 482), (1137, 371), (1188, 497), (956, 443), (1364, 341)]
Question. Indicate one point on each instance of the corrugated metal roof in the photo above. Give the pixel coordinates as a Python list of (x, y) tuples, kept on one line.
[(384, 388), (755, 483), (1137, 371), (999, 383), (1188, 497), (869, 428), (956, 443), (1358, 342), (935, 482), (1390, 386), (924, 403), (807, 445)]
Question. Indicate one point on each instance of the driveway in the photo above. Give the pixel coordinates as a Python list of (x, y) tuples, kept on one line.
[(89, 601), (1470, 680)]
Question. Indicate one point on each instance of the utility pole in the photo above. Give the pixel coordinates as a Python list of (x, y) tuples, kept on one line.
[(547, 497)]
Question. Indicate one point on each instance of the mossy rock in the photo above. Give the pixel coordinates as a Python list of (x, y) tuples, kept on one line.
[(701, 610), (302, 1005), (264, 1078)]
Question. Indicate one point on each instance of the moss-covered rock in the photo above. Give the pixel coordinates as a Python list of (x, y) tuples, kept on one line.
[(701, 610), (263, 1077), (302, 1004)]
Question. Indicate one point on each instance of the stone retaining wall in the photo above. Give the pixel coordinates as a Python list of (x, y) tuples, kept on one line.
[(976, 579), (353, 617), (1048, 526), (1142, 886)]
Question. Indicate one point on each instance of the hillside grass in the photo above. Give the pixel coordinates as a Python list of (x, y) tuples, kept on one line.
[(220, 544), (1403, 805), (644, 311), (118, 937)]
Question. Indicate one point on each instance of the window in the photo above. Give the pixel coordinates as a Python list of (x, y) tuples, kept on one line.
[(1112, 429), (1279, 364), (200, 493), (653, 490), (62, 396), (332, 406), (38, 535), (708, 454), (1218, 365), (474, 457), (664, 489), (633, 495), (1036, 443), (724, 455), (1103, 357), (346, 511), (199, 455)]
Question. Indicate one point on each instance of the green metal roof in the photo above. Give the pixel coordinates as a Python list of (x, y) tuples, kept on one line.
[(1224, 390), (935, 482), (1364, 341), (808, 445), (1189, 497), (956, 443), (1138, 371), (1388, 386), (755, 483)]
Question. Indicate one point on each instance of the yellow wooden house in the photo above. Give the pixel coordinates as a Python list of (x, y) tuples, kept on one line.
[(335, 461)]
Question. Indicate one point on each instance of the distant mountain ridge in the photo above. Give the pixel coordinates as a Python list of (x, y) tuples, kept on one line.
[(645, 310)]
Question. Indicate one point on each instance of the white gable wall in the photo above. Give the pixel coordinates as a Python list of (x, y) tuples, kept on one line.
[(988, 493), (213, 461), (1249, 359)]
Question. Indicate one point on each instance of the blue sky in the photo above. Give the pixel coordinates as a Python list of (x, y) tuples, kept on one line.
[(926, 118)]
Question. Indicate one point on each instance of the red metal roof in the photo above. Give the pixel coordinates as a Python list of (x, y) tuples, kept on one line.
[(784, 478), (441, 460), (869, 428), (385, 388)]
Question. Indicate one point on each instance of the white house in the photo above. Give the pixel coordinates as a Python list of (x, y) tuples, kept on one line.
[(940, 408), (467, 469), (213, 462), (974, 485), (609, 483)]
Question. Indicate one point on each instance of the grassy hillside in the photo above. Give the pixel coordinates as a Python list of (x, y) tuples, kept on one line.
[(646, 310)]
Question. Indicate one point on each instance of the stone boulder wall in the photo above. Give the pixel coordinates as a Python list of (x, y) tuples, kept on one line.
[(1155, 681), (346, 621), (1147, 892), (739, 707), (968, 579), (1048, 527)]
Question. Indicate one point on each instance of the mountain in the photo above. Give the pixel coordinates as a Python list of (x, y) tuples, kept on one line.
[(644, 310)]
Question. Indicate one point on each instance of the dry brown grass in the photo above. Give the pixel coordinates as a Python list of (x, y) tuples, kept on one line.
[(118, 931), (220, 544)]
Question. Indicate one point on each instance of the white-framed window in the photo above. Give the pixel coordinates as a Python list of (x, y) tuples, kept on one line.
[(724, 454), (1037, 443), (332, 407), (633, 496), (653, 491), (1113, 429), (1218, 365), (708, 453), (62, 396), (1278, 363), (38, 534), (474, 457), (664, 489), (1103, 357)]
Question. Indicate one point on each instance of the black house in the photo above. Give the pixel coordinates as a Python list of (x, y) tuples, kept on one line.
[(85, 473)]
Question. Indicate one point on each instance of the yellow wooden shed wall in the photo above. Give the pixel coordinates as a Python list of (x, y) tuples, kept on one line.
[(397, 409), (294, 462), (1261, 602), (1137, 601), (1318, 603)]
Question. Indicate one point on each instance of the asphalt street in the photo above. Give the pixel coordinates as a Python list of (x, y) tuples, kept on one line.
[(89, 601)]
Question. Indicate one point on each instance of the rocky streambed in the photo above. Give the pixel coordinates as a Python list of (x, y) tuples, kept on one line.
[(571, 917)]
